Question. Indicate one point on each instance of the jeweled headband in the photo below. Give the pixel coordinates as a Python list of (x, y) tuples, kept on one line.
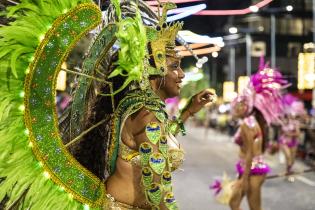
[(161, 40), (139, 44)]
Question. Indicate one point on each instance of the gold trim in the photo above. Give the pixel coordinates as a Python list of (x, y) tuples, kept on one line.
[(27, 117)]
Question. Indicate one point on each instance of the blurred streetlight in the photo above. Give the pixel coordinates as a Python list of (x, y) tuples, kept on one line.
[(215, 54), (261, 28), (248, 40), (289, 8), (233, 30), (254, 8), (229, 91), (195, 70)]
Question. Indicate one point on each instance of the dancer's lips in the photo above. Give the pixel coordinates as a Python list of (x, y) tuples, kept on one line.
[(179, 84)]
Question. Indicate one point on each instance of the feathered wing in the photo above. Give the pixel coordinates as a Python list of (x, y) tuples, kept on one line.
[(36, 170), (97, 64)]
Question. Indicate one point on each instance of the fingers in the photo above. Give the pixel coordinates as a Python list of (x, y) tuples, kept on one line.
[(206, 96)]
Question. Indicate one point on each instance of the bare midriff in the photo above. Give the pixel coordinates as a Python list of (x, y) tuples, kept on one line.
[(124, 185), (256, 146)]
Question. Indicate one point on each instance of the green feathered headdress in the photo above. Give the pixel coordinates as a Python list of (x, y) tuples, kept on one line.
[(131, 36), (134, 39)]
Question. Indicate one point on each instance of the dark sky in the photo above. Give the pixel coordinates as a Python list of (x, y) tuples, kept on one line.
[(212, 24), (199, 24)]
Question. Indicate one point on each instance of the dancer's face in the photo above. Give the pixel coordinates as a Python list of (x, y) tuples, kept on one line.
[(169, 86), (240, 109), (286, 119)]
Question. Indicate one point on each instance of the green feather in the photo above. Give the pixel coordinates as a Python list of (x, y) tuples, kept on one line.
[(4, 52), (18, 42), (116, 4), (17, 54), (132, 40)]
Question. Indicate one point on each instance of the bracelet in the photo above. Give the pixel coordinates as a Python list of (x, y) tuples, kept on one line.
[(186, 108), (181, 126)]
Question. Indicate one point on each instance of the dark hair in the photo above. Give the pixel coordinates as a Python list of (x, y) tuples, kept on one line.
[(263, 126), (91, 150)]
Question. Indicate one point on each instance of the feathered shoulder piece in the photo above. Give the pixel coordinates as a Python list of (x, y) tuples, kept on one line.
[(37, 171)]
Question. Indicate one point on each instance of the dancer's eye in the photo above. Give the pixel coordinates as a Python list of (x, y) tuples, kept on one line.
[(175, 65)]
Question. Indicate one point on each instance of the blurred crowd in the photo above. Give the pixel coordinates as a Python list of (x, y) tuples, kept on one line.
[(218, 117)]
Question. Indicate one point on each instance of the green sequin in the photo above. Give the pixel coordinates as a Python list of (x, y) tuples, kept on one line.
[(160, 116), (91, 63), (166, 181), (147, 177), (157, 162), (176, 126), (155, 194), (145, 150), (153, 132), (163, 146), (173, 127), (170, 201), (40, 115), (151, 33)]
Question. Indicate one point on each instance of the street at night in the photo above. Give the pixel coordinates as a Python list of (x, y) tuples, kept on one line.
[(208, 157), (157, 104)]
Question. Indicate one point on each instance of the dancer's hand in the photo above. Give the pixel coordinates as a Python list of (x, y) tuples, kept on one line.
[(199, 100)]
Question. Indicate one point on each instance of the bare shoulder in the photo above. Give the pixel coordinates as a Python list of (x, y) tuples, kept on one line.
[(244, 127), (138, 121)]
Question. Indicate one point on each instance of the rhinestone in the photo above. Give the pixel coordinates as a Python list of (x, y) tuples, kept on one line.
[(49, 118), (33, 101), (65, 41), (50, 45), (65, 25), (47, 90), (83, 24), (39, 137), (84, 191), (57, 170), (81, 176), (54, 64)]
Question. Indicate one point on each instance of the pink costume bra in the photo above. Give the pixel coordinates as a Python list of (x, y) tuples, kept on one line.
[(287, 140), (291, 126), (251, 122)]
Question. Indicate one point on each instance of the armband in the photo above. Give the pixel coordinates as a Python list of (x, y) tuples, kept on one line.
[(177, 125)]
